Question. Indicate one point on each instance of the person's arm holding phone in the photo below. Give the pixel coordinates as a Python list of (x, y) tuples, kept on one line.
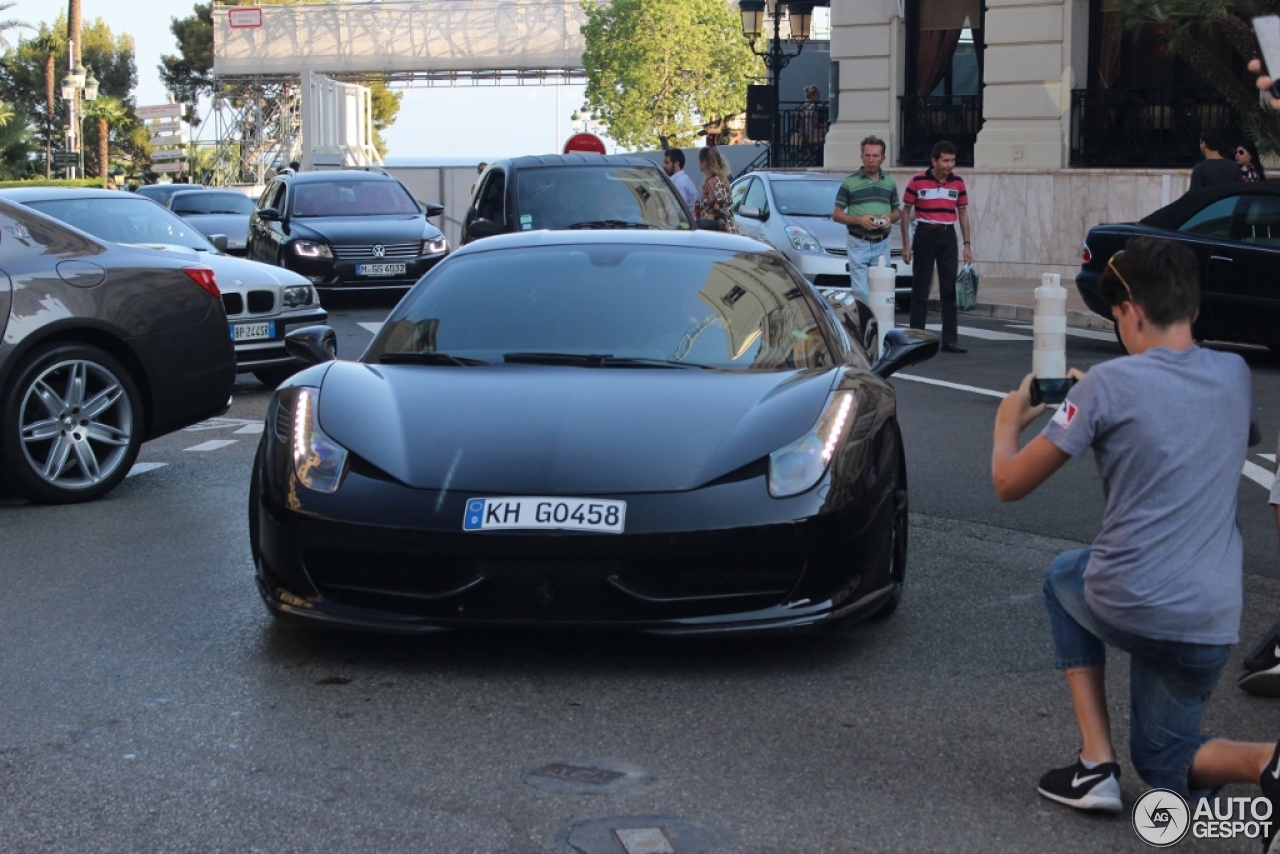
[(1267, 30)]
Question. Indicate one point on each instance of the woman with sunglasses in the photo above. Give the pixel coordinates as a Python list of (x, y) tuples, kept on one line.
[(1249, 163)]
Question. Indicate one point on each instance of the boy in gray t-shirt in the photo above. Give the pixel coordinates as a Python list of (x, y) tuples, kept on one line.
[(1169, 426)]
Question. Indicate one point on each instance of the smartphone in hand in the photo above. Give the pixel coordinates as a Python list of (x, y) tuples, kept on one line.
[(1051, 390), (1267, 29)]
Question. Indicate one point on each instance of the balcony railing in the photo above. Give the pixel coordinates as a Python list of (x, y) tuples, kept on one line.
[(929, 120), (1139, 127), (802, 135)]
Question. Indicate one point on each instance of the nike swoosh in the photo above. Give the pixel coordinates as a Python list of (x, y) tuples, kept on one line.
[(1276, 773), (1077, 781)]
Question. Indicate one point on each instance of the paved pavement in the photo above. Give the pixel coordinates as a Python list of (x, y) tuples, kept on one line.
[(1014, 299)]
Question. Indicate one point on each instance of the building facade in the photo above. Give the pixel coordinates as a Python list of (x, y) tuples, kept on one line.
[(1061, 120)]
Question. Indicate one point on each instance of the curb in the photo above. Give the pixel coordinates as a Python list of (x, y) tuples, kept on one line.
[(1026, 314)]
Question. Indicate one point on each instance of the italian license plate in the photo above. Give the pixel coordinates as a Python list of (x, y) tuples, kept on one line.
[(252, 331), (561, 514), (380, 269)]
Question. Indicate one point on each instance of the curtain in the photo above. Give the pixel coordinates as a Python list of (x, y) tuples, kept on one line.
[(933, 58), (1109, 52), (950, 14)]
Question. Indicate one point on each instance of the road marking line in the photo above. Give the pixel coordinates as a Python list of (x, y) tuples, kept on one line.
[(1071, 330), (218, 424), (143, 468), (1271, 458), (373, 327), (1253, 471), (252, 428), (212, 445), (989, 334)]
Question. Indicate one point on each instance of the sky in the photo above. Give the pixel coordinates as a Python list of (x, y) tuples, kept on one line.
[(453, 124)]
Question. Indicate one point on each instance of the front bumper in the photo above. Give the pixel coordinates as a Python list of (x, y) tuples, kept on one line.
[(339, 274), (721, 559), (270, 352), (831, 270)]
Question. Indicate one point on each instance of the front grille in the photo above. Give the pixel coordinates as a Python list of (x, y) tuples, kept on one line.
[(834, 250), (260, 302), (827, 280), (390, 250)]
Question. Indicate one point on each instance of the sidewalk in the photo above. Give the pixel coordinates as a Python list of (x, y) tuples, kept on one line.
[(1014, 299)]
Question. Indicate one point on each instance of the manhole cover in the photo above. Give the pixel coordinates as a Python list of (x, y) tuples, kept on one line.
[(644, 834), (583, 778)]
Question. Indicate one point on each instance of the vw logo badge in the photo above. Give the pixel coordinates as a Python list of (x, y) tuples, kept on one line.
[(379, 250)]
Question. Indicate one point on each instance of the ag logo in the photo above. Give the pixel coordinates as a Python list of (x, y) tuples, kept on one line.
[(379, 250), (1161, 818)]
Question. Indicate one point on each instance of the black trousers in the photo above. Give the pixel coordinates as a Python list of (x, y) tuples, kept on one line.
[(934, 247)]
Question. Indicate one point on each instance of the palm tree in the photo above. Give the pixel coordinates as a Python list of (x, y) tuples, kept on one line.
[(10, 24), (73, 30), (48, 44), (108, 111)]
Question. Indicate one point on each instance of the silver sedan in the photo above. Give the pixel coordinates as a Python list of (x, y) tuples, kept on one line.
[(791, 211)]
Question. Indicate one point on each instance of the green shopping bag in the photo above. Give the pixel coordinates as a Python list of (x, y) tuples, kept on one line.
[(967, 288)]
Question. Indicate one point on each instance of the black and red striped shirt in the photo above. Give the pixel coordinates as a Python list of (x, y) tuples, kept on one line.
[(936, 201)]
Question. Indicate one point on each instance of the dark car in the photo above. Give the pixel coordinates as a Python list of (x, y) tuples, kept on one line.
[(262, 302), (663, 432), (215, 212), (346, 229), (162, 193), (102, 348), (1234, 231), (567, 191)]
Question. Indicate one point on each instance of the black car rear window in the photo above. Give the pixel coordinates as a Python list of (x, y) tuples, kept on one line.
[(713, 308), (211, 203), (558, 197)]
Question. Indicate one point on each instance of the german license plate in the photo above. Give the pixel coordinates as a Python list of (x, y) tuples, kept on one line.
[(252, 331), (380, 269), (560, 514)]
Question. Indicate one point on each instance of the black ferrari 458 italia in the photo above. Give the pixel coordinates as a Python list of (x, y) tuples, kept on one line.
[(659, 431)]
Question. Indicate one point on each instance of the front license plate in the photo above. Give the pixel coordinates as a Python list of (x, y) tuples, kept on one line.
[(252, 331), (560, 514), (380, 269)]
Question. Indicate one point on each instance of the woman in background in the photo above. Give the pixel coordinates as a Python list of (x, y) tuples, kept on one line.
[(1247, 159), (716, 203)]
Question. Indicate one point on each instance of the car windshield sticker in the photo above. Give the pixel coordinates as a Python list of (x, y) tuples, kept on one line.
[(526, 222), (1065, 415)]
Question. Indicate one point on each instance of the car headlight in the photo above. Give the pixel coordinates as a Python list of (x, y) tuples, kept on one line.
[(438, 245), (798, 466), (318, 461), (296, 295), (801, 239), (312, 249)]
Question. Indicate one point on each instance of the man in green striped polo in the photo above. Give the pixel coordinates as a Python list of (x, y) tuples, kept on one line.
[(867, 205)]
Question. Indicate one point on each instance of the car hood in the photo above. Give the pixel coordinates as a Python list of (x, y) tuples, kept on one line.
[(231, 272), (366, 229), (540, 430)]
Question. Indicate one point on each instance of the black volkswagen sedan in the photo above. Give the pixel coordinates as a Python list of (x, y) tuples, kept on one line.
[(1234, 231), (662, 432), (102, 347), (346, 229)]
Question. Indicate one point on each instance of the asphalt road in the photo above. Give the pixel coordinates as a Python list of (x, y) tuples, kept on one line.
[(148, 703)]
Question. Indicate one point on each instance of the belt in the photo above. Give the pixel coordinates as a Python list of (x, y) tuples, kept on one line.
[(933, 226), (871, 239)]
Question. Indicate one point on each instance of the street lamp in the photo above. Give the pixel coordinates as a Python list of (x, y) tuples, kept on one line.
[(799, 17), (79, 83)]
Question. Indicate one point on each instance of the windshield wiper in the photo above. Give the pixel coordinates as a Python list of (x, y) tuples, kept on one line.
[(610, 223), (427, 359), (595, 360)]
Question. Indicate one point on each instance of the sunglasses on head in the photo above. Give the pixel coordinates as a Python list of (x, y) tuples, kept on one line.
[(1111, 264), (1240, 151)]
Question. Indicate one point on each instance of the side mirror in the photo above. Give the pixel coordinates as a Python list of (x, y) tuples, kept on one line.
[(269, 215), (219, 241), (434, 209), (312, 344), (483, 228), (904, 347), (753, 212)]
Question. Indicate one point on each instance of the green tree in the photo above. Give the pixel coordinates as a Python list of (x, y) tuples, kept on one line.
[(9, 24), (107, 112), (46, 44), (664, 67), (1187, 23)]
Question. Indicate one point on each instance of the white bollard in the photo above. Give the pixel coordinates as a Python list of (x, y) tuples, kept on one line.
[(882, 280), (1049, 358)]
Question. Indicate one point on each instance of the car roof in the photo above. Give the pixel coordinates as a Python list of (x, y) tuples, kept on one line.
[(1177, 212), (529, 161), (339, 174), (41, 194), (596, 237)]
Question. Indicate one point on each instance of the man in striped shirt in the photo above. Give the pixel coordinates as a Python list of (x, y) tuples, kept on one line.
[(940, 201), (867, 206)]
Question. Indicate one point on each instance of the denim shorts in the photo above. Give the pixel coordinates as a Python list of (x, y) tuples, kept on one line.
[(1169, 682)]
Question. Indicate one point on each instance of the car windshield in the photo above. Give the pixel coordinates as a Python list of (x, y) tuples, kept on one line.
[(806, 197), (338, 197), (559, 197), (211, 203), (124, 220), (741, 311)]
